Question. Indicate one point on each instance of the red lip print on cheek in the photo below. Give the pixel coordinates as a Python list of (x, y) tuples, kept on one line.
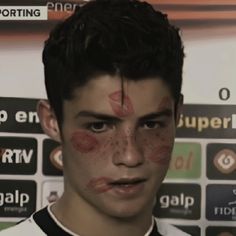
[(84, 142), (161, 155), (119, 109), (99, 185)]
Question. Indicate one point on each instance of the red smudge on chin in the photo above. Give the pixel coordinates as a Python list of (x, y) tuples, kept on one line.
[(119, 109), (99, 185), (84, 142), (161, 155)]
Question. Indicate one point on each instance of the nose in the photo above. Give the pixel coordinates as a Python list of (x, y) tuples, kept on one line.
[(128, 152)]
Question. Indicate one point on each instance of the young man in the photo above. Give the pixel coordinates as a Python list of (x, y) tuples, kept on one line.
[(113, 74)]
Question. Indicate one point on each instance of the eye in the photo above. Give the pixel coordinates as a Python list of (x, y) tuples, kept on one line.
[(152, 125), (98, 127)]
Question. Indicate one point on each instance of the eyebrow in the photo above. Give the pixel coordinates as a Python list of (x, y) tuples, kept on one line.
[(110, 118), (155, 115), (99, 116)]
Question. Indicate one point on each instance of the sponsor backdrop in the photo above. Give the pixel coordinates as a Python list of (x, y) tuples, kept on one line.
[(199, 193)]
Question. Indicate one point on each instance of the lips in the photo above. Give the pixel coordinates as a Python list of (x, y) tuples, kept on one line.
[(128, 188), (104, 184), (127, 182)]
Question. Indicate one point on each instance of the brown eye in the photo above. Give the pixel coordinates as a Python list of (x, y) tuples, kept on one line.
[(98, 127), (151, 125)]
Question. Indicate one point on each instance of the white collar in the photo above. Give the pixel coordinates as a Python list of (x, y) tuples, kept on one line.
[(70, 232)]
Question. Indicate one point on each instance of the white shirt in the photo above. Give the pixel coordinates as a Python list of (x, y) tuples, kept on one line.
[(44, 223)]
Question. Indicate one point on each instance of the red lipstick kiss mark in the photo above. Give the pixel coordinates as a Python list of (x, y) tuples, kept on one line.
[(100, 185), (84, 142), (161, 155), (119, 109)]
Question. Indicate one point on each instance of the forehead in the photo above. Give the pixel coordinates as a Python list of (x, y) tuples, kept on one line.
[(96, 93)]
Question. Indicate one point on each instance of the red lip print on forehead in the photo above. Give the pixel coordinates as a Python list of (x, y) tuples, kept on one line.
[(116, 104)]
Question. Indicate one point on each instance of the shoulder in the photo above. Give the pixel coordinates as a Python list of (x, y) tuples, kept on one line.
[(27, 227), (169, 230)]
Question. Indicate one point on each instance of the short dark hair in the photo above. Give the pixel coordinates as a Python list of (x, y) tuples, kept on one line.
[(124, 37)]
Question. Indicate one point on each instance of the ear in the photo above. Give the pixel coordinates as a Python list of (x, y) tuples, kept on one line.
[(179, 108), (48, 120)]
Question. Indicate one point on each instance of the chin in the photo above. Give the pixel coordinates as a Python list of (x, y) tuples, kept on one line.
[(129, 211)]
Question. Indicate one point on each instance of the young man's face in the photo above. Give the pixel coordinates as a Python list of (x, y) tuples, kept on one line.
[(116, 153)]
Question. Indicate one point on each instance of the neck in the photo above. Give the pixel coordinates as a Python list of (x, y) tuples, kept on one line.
[(83, 219)]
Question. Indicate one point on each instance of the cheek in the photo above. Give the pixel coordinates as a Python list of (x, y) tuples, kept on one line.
[(161, 155), (113, 147), (99, 149), (84, 142), (158, 149)]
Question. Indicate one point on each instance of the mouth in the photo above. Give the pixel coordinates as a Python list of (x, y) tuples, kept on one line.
[(128, 187), (127, 182), (121, 186)]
